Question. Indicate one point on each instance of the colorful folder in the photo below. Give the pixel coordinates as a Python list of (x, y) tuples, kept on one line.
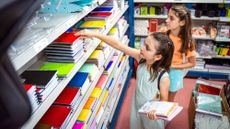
[(96, 93), (63, 68), (68, 96), (84, 115), (102, 81), (90, 103), (55, 116)]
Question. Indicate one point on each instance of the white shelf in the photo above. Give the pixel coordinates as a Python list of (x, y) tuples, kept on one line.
[(203, 37), (119, 95), (58, 24), (222, 39), (151, 16), (178, 1), (200, 70), (227, 1), (115, 81), (44, 106), (82, 103), (142, 35), (165, 16)]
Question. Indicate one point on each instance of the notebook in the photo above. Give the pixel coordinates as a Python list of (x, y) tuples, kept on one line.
[(56, 116), (63, 68), (81, 81), (41, 79), (68, 96)]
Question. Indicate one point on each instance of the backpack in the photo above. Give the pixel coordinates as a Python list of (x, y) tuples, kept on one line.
[(159, 79)]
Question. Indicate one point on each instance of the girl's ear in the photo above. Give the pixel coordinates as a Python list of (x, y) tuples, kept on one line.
[(182, 22), (158, 57)]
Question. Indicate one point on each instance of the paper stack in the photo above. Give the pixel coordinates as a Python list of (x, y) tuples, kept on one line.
[(66, 48), (164, 110)]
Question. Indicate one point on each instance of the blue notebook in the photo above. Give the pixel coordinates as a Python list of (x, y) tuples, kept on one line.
[(103, 9), (79, 79)]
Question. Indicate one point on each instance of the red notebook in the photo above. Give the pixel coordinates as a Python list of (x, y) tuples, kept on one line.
[(100, 14), (67, 38), (55, 116), (67, 96), (208, 89)]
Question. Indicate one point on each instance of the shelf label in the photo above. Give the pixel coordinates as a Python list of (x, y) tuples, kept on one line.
[(41, 45)]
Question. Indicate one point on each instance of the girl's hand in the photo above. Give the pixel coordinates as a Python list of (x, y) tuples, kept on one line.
[(151, 115), (85, 33)]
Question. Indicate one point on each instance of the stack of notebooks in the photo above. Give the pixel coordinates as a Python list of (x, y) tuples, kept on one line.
[(90, 104), (208, 98), (30, 90), (164, 110), (63, 68), (45, 81), (97, 57), (66, 48), (91, 69), (80, 80), (56, 117), (114, 32), (70, 96), (99, 15)]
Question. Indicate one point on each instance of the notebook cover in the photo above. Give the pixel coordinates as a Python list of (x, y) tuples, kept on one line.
[(93, 24), (90, 103), (66, 38), (78, 125), (84, 115), (55, 116), (38, 77), (63, 68), (103, 9), (96, 93), (67, 96), (79, 79), (100, 14), (102, 81)]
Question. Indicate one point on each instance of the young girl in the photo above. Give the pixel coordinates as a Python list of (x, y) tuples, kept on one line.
[(179, 30), (155, 55)]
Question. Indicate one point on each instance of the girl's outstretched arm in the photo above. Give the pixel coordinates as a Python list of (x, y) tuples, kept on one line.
[(135, 53)]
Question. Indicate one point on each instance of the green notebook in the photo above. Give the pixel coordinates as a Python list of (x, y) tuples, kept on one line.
[(62, 68), (210, 104), (92, 69)]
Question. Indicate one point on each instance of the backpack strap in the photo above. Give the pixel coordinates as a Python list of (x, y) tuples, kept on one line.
[(159, 78)]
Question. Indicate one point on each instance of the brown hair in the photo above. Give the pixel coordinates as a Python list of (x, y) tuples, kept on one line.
[(186, 31), (165, 49)]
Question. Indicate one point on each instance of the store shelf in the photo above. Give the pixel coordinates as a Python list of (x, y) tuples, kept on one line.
[(222, 39), (165, 16), (227, 1), (57, 25), (36, 116), (178, 1), (113, 50), (203, 37), (114, 84), (82, 103), (141, 35), (119, 95)]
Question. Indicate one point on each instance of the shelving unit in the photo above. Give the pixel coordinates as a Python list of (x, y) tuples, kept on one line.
[(178, 1), (57, 25), (199, 20)]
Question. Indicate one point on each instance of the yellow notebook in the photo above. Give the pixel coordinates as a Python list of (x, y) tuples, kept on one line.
[(96, 93), (84, 115), (93, 24), (113, 30), (105, 96), (96, 54)]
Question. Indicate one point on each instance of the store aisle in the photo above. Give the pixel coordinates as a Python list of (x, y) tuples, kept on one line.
[(179, 122)]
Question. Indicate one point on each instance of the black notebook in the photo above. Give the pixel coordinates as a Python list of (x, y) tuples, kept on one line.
[(39, 78)]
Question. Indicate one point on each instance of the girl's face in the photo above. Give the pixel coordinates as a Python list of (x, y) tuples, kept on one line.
[(148, 50), (173, 22)]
